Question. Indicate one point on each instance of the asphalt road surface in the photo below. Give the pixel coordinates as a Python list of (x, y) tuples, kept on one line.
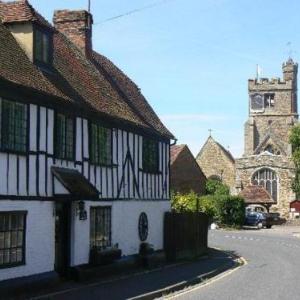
[(272, 272)]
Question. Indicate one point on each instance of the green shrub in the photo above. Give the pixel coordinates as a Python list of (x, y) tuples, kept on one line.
[(183, 203), (231, 211), (207, 204), (224, 209), (216, 187)]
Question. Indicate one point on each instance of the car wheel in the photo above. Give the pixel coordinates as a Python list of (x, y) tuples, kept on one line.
[(269, 226), (259, 225)]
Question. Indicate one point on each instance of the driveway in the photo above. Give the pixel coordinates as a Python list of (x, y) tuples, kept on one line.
[(272, 272)]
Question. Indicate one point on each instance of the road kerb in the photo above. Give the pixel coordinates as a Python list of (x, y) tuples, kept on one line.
[(226, 269)]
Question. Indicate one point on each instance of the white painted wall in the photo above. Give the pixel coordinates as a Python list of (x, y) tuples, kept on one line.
[(39, 238), (40, 232), (125, 216), (108, 180)]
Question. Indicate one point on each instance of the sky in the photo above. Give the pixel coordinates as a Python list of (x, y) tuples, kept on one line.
[(192, 58)]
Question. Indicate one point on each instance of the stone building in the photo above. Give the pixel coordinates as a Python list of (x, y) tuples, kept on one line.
[(267, 155), (216, 162), (185, 174)]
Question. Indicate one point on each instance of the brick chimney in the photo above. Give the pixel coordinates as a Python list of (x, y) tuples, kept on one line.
[(77, 26)]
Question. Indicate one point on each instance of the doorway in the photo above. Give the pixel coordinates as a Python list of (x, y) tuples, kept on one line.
[(62, 237)]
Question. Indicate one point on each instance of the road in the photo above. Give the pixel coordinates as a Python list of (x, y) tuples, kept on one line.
[(272, 271)]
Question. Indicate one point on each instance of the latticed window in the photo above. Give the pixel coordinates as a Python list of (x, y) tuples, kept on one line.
[(64, 137), (13, 126), (267, 178), (12, 238), (42, 47), (100, 227), (100, 145), (150, 155)]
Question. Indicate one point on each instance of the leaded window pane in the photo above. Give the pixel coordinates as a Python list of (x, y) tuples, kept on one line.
[(100, 145), (100, 227), (38, 47), (46, 48), (64, 137), (266, 178), (12, 233), (13, 126), (42, 47), (150, 155)]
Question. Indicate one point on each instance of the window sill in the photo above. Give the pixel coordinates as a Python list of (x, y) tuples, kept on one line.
[(12, 265), (150, 172), (23, 153), (104, 165), (65, 159)]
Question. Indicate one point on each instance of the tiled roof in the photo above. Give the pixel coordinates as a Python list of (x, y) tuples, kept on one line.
[(175, 151), (255, 194), (130, 91), (17, 68), (94, 84), (20, 11)]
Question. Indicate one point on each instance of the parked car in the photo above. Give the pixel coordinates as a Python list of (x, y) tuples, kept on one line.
[(256, 219), (263, 219), (276, 219)]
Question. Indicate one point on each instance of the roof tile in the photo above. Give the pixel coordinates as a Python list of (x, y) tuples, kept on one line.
[(94, 83)]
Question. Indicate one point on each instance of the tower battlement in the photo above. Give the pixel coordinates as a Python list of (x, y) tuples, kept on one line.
[(288, 82), (265, 84)]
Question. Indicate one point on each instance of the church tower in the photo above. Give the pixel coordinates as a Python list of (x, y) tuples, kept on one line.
[(267, 153), (272, 112)]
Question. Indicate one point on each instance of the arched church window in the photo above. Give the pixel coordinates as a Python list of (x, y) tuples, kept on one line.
[(268, 179)]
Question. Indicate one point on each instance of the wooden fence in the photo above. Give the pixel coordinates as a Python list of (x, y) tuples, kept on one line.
[(185, 235)]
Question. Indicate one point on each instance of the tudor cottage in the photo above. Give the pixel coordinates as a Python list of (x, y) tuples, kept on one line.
[(84, 160)]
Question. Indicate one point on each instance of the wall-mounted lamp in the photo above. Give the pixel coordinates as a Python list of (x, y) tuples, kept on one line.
[(80, 210)]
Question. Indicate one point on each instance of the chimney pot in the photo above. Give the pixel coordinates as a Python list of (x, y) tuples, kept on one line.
[(77, 26)]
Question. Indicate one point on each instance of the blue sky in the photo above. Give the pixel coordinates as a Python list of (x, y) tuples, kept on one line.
[(192, 58)]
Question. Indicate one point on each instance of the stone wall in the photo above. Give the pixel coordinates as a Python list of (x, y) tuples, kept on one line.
[(282, 165), (257, 128), (214, 160)]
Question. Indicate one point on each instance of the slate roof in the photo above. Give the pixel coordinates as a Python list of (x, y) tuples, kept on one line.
[(255, 194), (94, 84)]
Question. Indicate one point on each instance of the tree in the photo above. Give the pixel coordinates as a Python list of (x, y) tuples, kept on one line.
[(294, 140), (216, 187)]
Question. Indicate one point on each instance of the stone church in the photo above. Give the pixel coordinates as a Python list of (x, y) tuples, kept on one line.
[(267, 154)]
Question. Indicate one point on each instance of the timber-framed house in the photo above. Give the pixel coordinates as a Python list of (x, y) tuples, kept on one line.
[(84, 160)]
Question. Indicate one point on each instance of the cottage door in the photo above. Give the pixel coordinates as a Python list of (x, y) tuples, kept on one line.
[(62, 237)]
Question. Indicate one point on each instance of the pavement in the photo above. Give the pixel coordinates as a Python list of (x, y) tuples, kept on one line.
[(272, 270), (147, 285)]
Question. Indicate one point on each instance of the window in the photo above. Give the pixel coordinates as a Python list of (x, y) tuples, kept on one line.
[(42, 47), (150, 155), (269, 100), (266, 178), (100, 227), (64, 137), (261, 101), (12, 238), (272, 149), (100, 145), (13, 126)]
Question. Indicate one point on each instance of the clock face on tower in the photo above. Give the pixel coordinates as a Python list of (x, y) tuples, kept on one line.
[(257, 102)]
